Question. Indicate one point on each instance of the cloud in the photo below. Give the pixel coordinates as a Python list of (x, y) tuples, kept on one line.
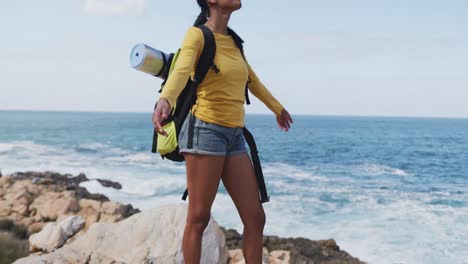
[(115, 7)]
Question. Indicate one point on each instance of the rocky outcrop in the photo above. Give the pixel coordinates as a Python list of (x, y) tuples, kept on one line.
[(67, 224), (292, 250), (154, 236), (35, 198)]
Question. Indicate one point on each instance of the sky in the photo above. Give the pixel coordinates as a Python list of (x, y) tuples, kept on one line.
[(361, 57)]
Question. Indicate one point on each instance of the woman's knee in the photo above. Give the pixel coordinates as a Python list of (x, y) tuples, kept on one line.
[(261, 219), (257, 220), (198, 220)]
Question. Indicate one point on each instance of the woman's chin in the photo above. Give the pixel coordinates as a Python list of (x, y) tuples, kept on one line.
[(238, 6)]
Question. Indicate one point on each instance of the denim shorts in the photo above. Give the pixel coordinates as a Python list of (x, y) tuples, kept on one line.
[(211, 139)]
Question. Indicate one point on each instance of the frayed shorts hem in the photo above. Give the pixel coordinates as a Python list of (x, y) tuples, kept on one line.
[(199, 151), (236, 152)]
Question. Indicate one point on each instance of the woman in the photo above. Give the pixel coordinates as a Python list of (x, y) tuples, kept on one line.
[(219, 150)]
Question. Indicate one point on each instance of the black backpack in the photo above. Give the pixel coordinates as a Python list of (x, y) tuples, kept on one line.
[(188, 97)]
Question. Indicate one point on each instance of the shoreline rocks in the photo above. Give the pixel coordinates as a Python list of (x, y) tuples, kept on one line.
[(153, 236), (35, 198), (58, 215)]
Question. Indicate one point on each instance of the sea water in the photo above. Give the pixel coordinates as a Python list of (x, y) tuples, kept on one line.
[(387, 189)]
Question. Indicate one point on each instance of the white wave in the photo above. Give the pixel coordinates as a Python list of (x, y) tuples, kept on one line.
[(25, 147), (134, 158), (29, 150), (405, 225), (5, 147), (379, 169), (93, 146), (284, 170)]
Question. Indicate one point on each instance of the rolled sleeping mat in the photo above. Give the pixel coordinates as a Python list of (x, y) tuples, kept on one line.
[(149, 60)]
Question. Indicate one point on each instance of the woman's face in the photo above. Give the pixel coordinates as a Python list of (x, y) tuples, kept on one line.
[(227, 5)]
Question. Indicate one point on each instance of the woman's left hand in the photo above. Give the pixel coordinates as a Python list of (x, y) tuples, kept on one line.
[(283, 120)]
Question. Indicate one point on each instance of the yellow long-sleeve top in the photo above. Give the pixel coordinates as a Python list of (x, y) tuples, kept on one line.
[(221, 96)]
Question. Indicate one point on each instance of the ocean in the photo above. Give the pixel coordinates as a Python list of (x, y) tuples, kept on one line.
[(387, 189)]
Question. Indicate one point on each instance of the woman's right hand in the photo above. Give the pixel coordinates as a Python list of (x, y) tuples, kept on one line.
[(160, 113), (284, 120)]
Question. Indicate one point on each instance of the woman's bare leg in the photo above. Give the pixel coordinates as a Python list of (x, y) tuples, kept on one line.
[(238, 177), (203, 177)]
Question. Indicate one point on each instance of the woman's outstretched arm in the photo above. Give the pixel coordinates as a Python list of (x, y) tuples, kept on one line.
[(261, 92)]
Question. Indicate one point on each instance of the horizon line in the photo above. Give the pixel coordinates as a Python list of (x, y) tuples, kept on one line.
[(311, 115)]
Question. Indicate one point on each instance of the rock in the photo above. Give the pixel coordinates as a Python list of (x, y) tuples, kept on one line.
[(19, 193), (21, 209), (39, 197), (265, 257), (5, 208), (27, 221), (279, 257), (61, 181), (90, 215), (237, 257), (78, 179), (48, 239), (36, 227), (51, 204), (293, 250), (54, 234), (108, 183), (233, 238), (81, 193), (96, 205), (72, 224), (107, 218), (115, 208), (90, 210), (112, 207), (5, 181), (155, 236)]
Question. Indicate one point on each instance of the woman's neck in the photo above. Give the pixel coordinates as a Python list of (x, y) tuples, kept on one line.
[(218, 22)]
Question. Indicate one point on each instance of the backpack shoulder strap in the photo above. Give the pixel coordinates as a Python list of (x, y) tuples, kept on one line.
[(207, 56), (238, 40), (264, 197)]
